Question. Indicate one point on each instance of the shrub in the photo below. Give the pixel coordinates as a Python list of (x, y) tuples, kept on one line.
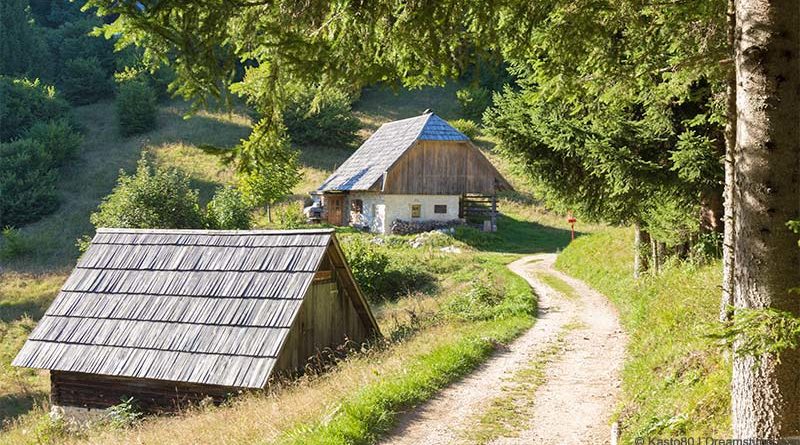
[(13, 244), (474, 101), (136, 108), (59, 140), (329, 123), (150, 199), (466, 126), (290, 215), (368, 263), (124, 414), (24, 102), (480, 302), (228, 211), (27, 182), (84, 81)]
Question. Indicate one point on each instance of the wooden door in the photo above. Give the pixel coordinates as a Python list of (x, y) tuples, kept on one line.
[(335, 205)]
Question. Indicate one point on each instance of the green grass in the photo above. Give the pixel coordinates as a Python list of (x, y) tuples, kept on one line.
[(675, 382), (558, 284)]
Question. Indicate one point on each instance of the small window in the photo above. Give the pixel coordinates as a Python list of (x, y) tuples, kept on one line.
[(357, 206), (439, 208), (416, 210)]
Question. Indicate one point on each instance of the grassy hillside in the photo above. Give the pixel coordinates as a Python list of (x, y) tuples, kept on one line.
[(425, 334), (675, 382)]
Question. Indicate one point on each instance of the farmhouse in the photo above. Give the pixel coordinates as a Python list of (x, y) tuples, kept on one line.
[(174, 316), (412, 170)]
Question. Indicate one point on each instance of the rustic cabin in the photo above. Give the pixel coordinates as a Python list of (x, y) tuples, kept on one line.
[(170, 317), (413, 170)]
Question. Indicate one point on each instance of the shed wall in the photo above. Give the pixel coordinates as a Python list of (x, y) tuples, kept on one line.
[(101, 391), (326, 319)]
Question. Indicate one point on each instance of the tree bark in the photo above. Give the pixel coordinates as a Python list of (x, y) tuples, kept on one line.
[(654, 258), (766, 392), (641, 239), (730, 146)]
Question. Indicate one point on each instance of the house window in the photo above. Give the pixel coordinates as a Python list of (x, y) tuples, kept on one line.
[(416, 210), (439, 208), (357, 206)]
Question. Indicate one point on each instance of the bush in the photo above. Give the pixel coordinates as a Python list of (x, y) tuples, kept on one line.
[(466, 126), (59, 140), (84, 81), (331, 123), (150, 199), (290, 215), (27, 183), (13, 244), (228, 211), (136, 108), (480, 302), (474, 101), (368, 263), (24, 102)]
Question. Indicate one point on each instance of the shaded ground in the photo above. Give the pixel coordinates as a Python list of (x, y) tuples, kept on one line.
[(580, 385)]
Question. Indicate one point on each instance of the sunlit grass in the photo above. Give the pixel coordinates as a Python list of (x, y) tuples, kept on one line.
[(676, 383)]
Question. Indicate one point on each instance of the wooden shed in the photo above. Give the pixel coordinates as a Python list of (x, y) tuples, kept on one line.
[(173, 316), (414, 170)]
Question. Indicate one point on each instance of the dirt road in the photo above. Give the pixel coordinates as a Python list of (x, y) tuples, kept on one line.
[(576, 396)]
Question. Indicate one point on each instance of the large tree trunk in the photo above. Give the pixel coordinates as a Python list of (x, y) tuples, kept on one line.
[(766, 393), (730, 147), (641, 241)]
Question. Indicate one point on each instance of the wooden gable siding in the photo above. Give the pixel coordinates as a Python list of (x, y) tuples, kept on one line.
[(101, 391), (327, 317), (441, 168)]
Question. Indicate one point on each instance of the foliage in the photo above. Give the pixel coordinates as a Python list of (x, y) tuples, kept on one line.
[(290, 215), (124, 414), (152, 198), (58, 138), (24, 103), (466, 126), (272, 175), (84, 81), (17, 38), (228, 211), (479, 302), (136, 108), (27, 182), (13, 243), (474, 101), (675, 387), (321, 117), (368, 263), (760, 331)]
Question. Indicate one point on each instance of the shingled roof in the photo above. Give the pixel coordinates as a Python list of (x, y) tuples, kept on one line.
[(378, 153), (209, 307)]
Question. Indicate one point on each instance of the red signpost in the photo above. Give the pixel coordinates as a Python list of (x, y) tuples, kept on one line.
[(571, 220)]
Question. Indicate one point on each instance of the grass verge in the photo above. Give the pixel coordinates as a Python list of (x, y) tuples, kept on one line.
[(675, 382)]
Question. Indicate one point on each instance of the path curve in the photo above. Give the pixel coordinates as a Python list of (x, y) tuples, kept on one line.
[(575, 402)]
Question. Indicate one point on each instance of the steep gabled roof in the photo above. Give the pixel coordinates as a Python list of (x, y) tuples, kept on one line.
[(378, 153), (209, 307)]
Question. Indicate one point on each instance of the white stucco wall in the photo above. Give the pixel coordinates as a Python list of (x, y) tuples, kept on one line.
[(380, 210)]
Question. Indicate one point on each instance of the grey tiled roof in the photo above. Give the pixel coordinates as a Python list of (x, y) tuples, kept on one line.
[(382, 149), (210, 307)]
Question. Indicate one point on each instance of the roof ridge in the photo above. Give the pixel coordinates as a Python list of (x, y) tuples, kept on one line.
[(216, 232)]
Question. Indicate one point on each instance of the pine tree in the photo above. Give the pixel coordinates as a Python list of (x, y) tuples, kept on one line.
[(17, 38)]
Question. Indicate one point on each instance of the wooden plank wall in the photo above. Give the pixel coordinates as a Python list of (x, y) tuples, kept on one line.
[(326, 318), (100, 391), (442, 168)]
